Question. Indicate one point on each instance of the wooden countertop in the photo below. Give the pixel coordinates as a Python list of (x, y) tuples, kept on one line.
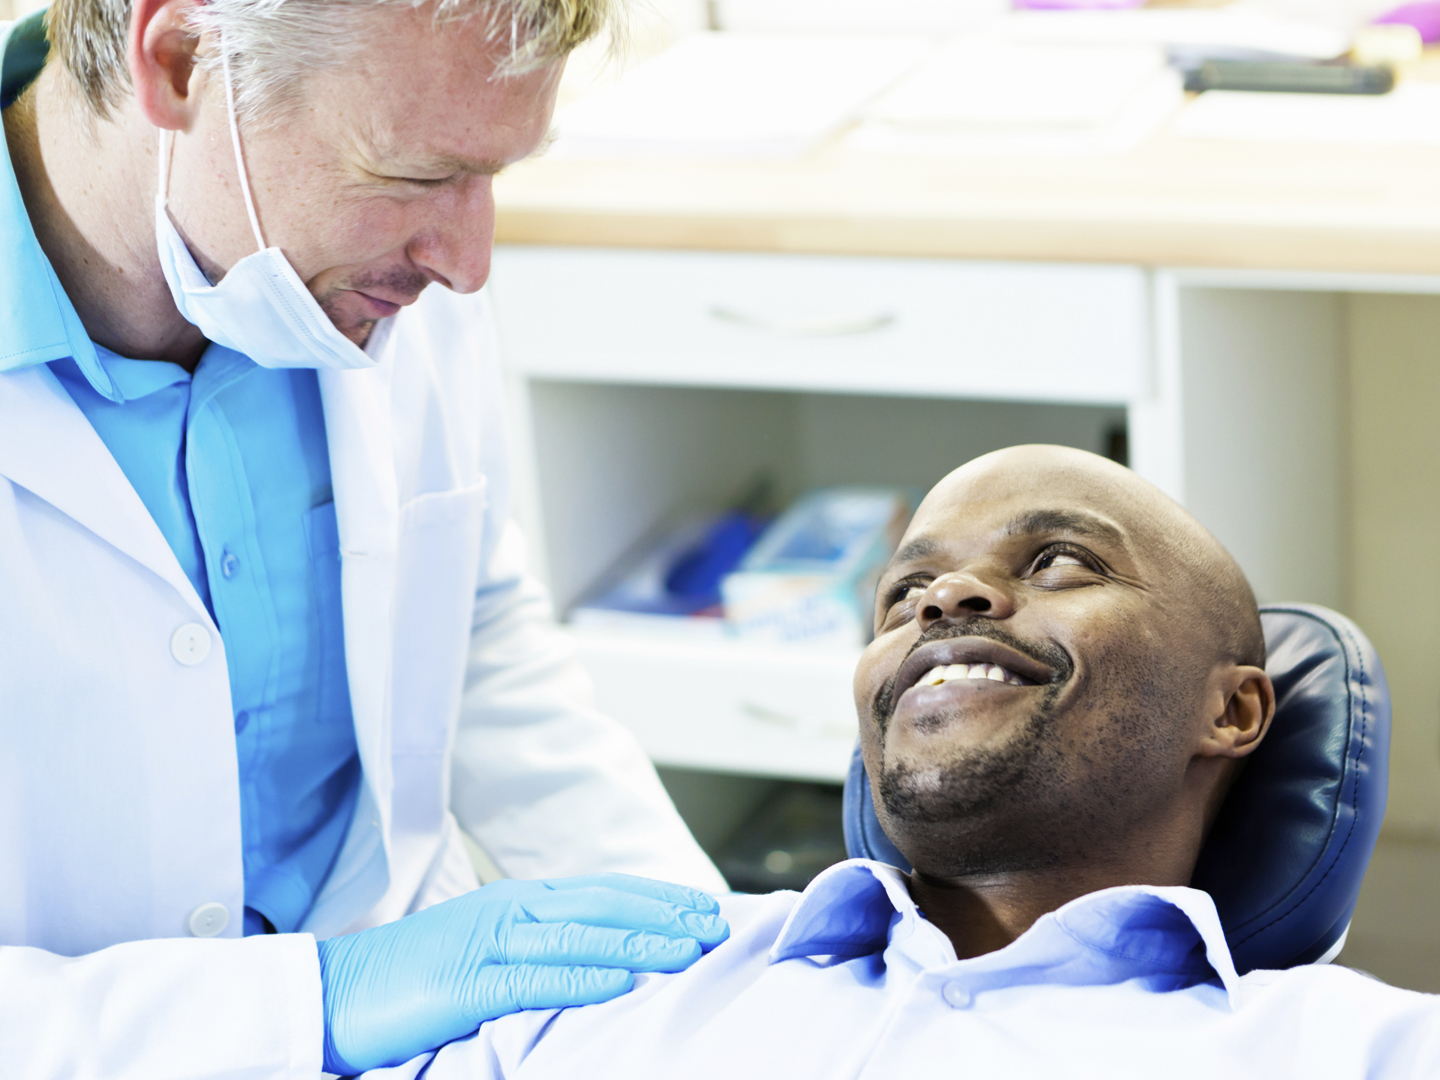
[(1173, 202)]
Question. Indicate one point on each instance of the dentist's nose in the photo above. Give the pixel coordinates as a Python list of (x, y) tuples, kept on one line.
[(456, 253), (963, 595)]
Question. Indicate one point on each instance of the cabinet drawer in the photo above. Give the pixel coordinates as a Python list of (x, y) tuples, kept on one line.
[(913, 327), (729, 706)]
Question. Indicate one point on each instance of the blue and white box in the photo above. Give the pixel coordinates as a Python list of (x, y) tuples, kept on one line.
[(810, 578)]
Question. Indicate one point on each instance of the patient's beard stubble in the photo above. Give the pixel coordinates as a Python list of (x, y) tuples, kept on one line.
[(1063, 789), (974, 813), (977, 813)]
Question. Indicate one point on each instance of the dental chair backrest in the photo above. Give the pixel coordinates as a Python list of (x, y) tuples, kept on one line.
[(1286, 855)]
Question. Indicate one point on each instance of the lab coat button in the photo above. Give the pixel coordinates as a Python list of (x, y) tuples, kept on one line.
[(956, 996), (207, 920), (190, 644)]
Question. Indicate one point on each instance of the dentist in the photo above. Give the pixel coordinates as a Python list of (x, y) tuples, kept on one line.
[(266, 641)]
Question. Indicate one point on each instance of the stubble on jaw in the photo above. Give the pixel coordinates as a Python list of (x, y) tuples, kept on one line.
[(942, 808), (359, 333), (957, 815), (398, 280), (1052, 793)]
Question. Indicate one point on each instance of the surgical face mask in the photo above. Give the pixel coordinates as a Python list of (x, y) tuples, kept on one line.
[(261, 307)]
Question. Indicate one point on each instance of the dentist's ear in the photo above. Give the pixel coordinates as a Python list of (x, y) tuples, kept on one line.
[(1242, 706), (161, 55)]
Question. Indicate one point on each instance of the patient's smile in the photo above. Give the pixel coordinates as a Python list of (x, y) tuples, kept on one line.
[(958, 693), (941, 674), (938, 674)]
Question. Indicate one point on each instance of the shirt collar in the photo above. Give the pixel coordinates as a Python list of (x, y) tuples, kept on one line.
[(859, 907), (40, 322)]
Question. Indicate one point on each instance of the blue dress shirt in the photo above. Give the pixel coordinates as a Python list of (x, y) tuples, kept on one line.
[(850, 980), (232, 465)]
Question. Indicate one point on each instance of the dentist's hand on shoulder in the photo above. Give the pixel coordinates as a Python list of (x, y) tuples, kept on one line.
[(398, 990)]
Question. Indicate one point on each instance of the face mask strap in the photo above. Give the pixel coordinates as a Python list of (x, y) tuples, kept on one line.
[(235, 141), (163, 158)]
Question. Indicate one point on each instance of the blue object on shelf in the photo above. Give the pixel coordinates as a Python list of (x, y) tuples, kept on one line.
[(696, 574)]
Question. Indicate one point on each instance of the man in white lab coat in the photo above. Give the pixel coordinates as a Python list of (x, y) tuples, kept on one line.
[(265, 633)]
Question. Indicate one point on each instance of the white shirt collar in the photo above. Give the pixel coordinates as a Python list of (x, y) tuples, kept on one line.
[(860, 907)]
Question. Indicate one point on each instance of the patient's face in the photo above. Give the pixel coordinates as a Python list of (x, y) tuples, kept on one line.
[(1030, 690)]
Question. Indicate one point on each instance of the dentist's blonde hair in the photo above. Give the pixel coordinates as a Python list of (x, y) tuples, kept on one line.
[(273, 43)]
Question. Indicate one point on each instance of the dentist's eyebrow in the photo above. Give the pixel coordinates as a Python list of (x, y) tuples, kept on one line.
[(393, 156), (460, 164), (1069, 521)]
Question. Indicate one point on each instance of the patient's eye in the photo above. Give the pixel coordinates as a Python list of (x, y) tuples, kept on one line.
[(1065, 564), (905, 591)]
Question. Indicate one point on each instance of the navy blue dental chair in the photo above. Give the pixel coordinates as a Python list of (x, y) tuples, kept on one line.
[(1286, 855)]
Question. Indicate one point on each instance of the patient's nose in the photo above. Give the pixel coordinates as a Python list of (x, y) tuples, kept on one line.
[(963, 595)]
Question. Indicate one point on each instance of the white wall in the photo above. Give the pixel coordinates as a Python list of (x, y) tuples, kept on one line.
[(15, 9), (1264, 434), (1394, 531)]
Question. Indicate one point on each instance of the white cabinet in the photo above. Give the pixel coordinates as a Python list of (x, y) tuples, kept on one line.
[(729, 707), (645, 383)]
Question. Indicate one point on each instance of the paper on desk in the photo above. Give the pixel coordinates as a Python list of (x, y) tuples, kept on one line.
[(736, 96), (1409, 115), (856, 16), (1217, 32), (985, 95)]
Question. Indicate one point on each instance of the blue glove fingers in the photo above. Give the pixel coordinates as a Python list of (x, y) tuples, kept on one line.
[(571, 944), (604, 906), (491, 991), (656, 890), (396, 990), (501, 989)]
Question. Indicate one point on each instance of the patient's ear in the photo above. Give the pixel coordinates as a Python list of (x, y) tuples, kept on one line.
[(1241, 705)]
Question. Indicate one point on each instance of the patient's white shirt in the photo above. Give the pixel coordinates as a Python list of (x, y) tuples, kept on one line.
[(849, 979)]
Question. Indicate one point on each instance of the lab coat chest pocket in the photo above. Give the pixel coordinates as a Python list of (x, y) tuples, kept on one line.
[(438, 566)]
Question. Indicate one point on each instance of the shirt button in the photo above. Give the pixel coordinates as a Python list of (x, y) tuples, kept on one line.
[(956, 996), (229, 565), (207, 920), (242, 720), (190, 644)]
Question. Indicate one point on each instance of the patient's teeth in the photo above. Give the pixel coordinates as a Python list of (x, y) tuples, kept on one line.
[(943, 673)]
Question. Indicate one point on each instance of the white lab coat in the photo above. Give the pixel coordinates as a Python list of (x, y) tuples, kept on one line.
[(119, 795)]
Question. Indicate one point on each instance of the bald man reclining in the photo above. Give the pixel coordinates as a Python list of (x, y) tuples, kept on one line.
[(1052, 800)]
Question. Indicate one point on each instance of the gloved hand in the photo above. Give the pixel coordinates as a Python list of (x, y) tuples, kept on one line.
[(412, 985)]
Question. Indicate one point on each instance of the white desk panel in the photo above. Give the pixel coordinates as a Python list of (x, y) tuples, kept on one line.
[(935, 328)]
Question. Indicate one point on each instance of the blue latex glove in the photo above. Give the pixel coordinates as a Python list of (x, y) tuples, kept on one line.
[(409, 986)]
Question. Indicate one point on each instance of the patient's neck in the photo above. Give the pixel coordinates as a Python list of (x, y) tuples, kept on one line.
[(982, 913)]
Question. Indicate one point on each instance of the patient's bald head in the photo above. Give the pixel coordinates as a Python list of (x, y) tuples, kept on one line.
[(1067, 671)]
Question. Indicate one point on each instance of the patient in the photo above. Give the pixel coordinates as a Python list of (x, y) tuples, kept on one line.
[(1066, 674)]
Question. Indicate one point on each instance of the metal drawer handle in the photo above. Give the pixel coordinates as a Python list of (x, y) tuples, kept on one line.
[(826, 327)]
